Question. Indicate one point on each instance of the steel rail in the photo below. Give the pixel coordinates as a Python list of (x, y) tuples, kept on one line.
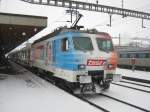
[(135, 84), (131, 87), (136, 79), (137, 107)]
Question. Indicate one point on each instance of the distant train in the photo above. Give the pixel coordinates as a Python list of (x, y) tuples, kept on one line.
[(86, 60), (138, 57)]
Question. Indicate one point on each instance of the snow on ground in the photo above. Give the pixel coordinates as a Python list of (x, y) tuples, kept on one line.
[(29, 93), (134, 74)]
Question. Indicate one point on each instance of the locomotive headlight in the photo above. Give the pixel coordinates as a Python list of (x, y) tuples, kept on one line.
[(81, 66), (110, 66)]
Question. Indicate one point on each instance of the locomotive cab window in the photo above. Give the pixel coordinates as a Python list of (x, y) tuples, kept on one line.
[(104, 45), (64, 44), (82, 43)]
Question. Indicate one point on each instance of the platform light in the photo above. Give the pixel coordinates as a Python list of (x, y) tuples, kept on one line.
[(23, 33), (10, 28), (35, 29)]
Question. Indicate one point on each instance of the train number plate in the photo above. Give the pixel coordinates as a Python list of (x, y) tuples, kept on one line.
[(95, 62)]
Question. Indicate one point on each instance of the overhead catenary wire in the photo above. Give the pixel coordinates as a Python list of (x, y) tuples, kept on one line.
[(104, 23)]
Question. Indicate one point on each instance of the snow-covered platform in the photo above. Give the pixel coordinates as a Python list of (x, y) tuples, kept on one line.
[(25, 92), (145, 75)]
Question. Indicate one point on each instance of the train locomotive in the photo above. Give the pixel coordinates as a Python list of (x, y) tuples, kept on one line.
[(83, 60)]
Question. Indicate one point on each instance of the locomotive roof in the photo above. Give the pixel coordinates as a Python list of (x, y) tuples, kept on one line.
[(63, 30)]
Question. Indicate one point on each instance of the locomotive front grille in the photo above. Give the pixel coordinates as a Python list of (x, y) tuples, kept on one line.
[(98, 73)]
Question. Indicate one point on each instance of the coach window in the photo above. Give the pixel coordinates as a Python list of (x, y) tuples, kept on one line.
[(50, 46), (124, 56), (120, 55), (42, 53), (64, 44), (142, 55), (137, 55), (148, 55), (131, 55)]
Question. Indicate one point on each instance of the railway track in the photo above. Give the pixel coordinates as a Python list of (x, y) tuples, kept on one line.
[(91, 103), (136, 79), (131, 87), (99, 105), (83, 98), (136, 84), (129, 104), (77, 96), (101, 94), (122, 102)]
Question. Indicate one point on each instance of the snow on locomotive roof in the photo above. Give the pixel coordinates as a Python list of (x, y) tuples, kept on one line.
[(63, 30)]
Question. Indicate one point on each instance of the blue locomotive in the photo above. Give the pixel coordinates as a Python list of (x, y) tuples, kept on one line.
[(84, 60)]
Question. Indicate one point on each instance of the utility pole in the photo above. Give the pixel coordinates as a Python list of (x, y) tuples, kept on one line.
[(119, 40), (96, 1), (143, 24), (71, 14), (122, 3), (0, 4), (110, 18)]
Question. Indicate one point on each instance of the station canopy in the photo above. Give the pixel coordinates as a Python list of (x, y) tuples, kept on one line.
[(17, 28)]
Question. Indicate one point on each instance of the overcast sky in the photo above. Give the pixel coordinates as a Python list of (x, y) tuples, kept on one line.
[(128, 27)]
